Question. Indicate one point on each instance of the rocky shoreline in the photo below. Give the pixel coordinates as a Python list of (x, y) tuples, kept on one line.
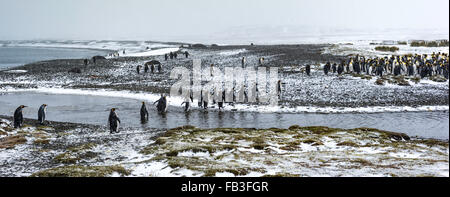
[(298, 89)]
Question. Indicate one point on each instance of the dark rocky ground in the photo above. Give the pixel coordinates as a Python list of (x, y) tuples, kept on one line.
[(298, 89)]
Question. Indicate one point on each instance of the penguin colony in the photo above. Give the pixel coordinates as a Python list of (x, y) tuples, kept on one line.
[(436, 64), (422, 66)]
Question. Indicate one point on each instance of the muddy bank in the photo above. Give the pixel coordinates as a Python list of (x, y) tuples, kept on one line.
[(66, 149)]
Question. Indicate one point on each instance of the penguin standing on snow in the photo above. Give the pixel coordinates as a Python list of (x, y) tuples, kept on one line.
[(340, 68), (41, 113), (144, 113), (138, 69), (18, 117), (261, 61), (326, 68), (308, 69), (114, 121)]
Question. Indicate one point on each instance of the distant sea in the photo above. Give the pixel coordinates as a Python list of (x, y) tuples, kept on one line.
[(17, 56)]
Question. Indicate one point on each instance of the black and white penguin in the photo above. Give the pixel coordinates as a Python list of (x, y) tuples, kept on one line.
[(340, 68), (221, 101), (161, 104), (114, 121), (187, 106), (327, 68), (308, 69), (200, 101), (279, 88), (41, 113), (18, 117), (261, 61), (144, 113)]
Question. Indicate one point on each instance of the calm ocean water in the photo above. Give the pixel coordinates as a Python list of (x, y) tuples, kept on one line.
[(17, 56)]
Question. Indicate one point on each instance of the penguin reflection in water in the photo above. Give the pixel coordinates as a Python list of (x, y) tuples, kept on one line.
[(114, 121), (144, 113), (41, 113), (18, 117)]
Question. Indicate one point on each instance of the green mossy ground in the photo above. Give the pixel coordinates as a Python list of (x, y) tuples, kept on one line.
[(82, 171), (235, 145)]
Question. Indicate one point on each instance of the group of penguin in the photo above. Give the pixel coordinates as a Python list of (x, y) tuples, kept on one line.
[(410, 65), (113, 119), (18, 116)]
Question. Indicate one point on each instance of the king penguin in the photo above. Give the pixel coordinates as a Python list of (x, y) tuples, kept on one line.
[(144, 113), (18, 117), (114, 121), (41, 113)]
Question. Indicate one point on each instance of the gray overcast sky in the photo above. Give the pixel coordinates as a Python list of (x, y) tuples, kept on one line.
[(145, 19)]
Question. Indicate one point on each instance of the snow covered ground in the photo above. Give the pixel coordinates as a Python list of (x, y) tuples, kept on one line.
[(151, 52), (364, 47)]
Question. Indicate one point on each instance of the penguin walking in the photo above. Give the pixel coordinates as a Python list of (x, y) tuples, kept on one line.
[(334, 67), (279, 88), (308, 69), (161, 104), (138, 69), (221, 101), (261, 61), (18, 117), (114, 121), (187, 102), (41, 113), (340, 68), (144, 113), (200, 102), (187, 106), (326, 68)]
